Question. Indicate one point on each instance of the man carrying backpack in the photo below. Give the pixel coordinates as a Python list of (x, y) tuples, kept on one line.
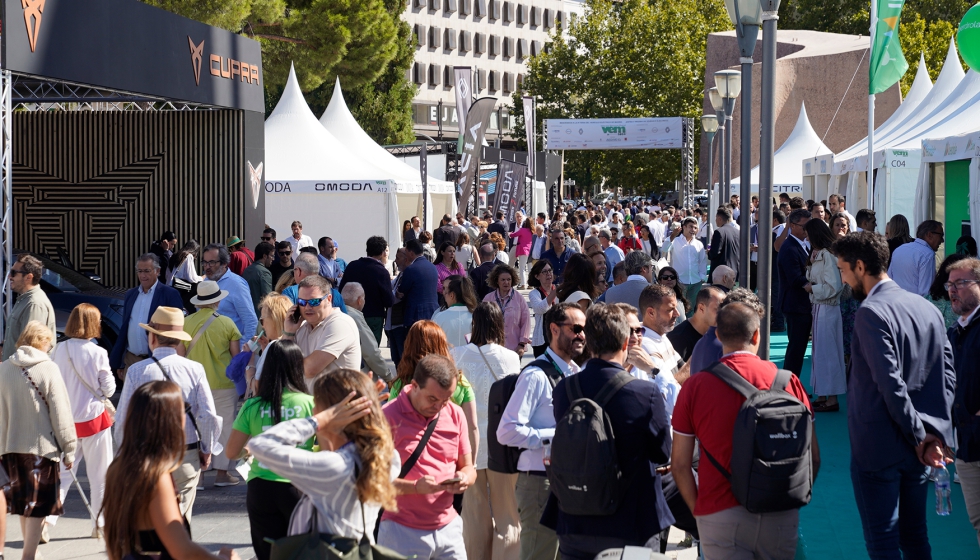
[(528, 422), (615, 498), (707, 408)]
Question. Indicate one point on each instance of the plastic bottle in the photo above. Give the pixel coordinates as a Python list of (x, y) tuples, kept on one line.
[(547, 452), (943, 504)]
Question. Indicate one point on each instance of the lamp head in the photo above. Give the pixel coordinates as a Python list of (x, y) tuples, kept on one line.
[(729, 83), (714, 97), (746, 12), (709, 123)]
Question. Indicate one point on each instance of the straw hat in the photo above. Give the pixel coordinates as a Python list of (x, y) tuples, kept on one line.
[(168, 322), (232, 241), (208, 292)]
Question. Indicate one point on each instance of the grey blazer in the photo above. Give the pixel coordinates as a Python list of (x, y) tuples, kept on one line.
[(901, 378), (627, 292)]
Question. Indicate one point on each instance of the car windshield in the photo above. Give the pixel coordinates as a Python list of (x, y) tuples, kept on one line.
[(65, 279)]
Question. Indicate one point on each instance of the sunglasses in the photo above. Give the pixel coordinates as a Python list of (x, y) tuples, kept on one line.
[(15, 272), (266, 239), (638, 331), (667, 277), (577, 329), (315, 302), (285, 252)]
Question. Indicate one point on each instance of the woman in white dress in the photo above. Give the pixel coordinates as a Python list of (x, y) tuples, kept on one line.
[(828, 376), (456, 319), (491, 522)]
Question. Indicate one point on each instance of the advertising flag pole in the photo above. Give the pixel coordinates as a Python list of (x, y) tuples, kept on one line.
[(871, 107)]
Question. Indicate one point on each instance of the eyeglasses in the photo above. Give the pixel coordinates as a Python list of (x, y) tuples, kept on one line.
[(939, 233), (547, 271), (210, 263), (667, 277), (144, 271), (15, 272), (959, 284), (315, 302), (577, 329)]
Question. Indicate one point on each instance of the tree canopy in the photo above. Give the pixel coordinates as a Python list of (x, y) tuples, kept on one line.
[(629, 58)]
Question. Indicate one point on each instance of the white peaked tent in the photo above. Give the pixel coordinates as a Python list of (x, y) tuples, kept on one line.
[(787, 174), (314, 178), (339, 121), (821, 168)]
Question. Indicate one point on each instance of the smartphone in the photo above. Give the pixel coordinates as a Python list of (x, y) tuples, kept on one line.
[(451, 481), (297, 315)]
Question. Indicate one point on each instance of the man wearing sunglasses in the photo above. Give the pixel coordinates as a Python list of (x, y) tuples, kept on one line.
[(913, 265), (32, 303), (328, 338), (283, 262)]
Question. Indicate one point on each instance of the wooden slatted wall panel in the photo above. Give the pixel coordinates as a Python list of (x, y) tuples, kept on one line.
[(105, 185)]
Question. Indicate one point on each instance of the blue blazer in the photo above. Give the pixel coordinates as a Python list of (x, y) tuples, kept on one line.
[(418, 285), (901, 378), (642, 429), (163, 295), (791, 261)]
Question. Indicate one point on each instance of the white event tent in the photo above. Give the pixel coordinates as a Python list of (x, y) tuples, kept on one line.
[(787, 174), (339, 122)]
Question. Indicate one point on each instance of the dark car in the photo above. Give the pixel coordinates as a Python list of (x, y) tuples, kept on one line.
[(66, 288)]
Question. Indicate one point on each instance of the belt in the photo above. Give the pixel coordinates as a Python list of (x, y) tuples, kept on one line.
[(140, 356), (195, 445), (535, 473)]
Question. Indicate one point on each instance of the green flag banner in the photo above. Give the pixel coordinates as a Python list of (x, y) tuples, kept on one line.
[(888, 63)]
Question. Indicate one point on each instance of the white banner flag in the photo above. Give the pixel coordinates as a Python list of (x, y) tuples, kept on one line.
[(529, 128), (614, 134)]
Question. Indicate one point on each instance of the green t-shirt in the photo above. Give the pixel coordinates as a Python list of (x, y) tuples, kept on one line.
[(255, 417), (212, 350), (463, 393)]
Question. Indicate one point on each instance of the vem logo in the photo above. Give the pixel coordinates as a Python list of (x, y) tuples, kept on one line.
[(620, 130)]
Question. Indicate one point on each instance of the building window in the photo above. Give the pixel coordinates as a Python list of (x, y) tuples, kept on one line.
[(448, 76), (450, 43), (508, 11), (435, 74), (559, 19), (419, 34), (434, 5), (481, 80), (508, 82), (535, 48), (465, 41), (418, 73), (520, 81), (481, 9), (465, 7), (479, 43), (494, 9), (508, 47), (535, 16), (493, 81), (522, 16), (435, 37), (522, 49), (418, 3), (449, 6), (549, 18), (494, 45)]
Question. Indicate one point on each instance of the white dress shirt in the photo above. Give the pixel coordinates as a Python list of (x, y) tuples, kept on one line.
[(666, 360), (913, 267), (689, 259), (528, 421), (136, 338), (539, 306), (303, 241), (657, 229), (193, 382)]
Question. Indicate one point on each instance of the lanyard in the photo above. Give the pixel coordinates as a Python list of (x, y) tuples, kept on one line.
[(503, 306)]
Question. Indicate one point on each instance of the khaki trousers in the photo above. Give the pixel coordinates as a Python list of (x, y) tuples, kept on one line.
[(537, 541), (185, 481), (128, 360), (970, 481), (491, 528), (225, 403)]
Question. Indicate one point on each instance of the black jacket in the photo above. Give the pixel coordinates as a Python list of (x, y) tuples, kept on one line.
[(376, 281), (966, 403), (479, 277), (792, 261), (724, 248)]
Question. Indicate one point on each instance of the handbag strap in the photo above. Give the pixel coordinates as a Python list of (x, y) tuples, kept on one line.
[(414, 458), (100, 395), (43, 399), (482, 355), (187, 405), (200, 331)]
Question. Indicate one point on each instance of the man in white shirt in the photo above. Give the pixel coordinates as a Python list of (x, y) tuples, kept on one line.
[(658, 312), (836, 203), (657, 228), (689, 258), (297, 239), (528, 422), (913, 265)]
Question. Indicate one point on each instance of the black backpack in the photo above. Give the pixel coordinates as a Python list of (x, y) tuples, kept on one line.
[(771, 468), (584, 467), (503, 458)]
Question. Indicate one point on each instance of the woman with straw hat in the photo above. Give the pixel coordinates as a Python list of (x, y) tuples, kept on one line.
[(215, 340)]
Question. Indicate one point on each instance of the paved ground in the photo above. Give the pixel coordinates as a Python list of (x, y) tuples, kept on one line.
[(219, 520)]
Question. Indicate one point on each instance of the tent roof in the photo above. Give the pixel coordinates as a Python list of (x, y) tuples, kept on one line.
[(802, 143), (297, 147), (339, 121)]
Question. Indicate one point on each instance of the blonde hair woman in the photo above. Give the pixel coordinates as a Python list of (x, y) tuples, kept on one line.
[(350, 478), (286, 280)]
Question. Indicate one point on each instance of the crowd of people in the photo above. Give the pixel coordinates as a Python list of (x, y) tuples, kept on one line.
[(270, 364)]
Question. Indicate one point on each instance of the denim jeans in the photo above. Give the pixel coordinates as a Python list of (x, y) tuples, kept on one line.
[(892, 503)]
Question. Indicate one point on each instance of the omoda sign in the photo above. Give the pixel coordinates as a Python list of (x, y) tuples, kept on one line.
[(353, 186)]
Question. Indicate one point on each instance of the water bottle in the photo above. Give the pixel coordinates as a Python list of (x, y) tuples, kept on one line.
[(943, 504), (547, 453)]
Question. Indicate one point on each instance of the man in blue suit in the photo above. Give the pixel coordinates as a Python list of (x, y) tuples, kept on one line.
[(417, 288), (900, 396), (793, 298), (132, 345)]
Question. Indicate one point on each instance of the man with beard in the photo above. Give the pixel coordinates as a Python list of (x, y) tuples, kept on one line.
[(900, 394), (238, 305), (658, 312), (528, 422)]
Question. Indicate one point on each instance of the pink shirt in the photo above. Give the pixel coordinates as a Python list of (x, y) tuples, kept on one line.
[(517, 318), (443, 272), (449, 441), (523, 244)]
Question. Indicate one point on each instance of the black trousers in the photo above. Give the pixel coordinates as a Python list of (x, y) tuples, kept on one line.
[(798, 327), (269, 505), (587, 547)]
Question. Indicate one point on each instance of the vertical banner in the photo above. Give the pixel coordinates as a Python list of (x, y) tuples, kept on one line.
[(509, 193), (424, 171), (477, 119), (464, 92), (529, 129), (888, 63)]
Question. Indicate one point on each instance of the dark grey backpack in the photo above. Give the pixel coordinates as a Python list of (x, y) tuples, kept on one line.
[(771, 468), (584, 467)]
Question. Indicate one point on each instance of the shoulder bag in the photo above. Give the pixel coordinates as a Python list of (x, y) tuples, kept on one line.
[(410, 463), (109, 407), (187, 405), (200, 332), (46, 405)]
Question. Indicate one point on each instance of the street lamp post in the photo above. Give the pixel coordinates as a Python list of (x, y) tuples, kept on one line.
[(709, 124), (718, 104), (729, 84)]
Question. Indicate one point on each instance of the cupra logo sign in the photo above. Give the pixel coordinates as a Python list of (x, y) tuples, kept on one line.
[(32, 17), (220, 66), (197, 54)]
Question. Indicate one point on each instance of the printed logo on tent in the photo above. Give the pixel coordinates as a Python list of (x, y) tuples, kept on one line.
[(823, 166), (255, 175), (220, 66), (32, 11), (950, 150), (197, 54)]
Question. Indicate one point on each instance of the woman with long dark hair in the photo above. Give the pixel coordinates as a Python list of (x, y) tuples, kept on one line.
[(828, 377), (281, 396), (446, 266), (543, 295), (350, 478), (182, 264), (578, 282), (668, 277), (456, 317), (140, 507), (897, 232)]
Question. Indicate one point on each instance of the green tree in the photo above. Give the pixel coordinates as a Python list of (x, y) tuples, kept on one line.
[(634, 58)]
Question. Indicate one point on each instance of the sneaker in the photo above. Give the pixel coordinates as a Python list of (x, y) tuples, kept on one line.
[(98, 533), (232, 480)]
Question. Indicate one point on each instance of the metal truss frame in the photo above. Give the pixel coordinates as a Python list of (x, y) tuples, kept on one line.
[(687, 161)]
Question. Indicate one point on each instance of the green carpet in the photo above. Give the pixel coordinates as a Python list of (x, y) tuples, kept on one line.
[(830, 527)]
